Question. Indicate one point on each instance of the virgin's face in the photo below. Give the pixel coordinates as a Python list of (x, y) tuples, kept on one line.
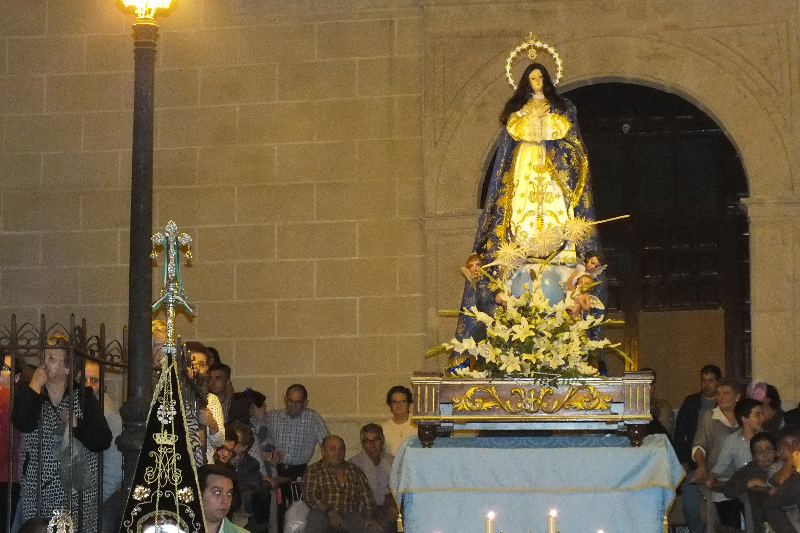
[(535, 78)]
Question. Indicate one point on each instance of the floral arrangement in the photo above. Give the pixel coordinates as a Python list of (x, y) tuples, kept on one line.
[(528, 336)]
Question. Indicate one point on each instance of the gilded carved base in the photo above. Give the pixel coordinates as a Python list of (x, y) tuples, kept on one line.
[(443, 404)]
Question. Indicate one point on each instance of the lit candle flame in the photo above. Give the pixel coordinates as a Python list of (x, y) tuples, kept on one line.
[(490, 522), (553, 512)]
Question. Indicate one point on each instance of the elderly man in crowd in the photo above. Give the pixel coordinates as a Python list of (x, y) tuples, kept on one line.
[(338, 493), (377, 466), (295, 431)]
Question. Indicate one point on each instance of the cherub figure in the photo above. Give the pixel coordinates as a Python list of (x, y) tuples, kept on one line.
[(472, 270), (582, 299), (591, 266)]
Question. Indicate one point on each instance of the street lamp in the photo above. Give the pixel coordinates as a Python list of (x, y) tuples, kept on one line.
[(140, 276)]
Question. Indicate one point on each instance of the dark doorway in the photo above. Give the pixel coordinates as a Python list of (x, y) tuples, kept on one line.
[(666, 163), (684, 249)]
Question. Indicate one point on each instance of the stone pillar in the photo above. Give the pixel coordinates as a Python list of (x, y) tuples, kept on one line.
[(774, 269)]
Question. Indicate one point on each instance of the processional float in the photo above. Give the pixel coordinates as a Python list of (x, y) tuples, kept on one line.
[(524, 368)]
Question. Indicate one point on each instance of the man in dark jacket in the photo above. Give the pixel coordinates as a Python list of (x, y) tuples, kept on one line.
[(685, 427)]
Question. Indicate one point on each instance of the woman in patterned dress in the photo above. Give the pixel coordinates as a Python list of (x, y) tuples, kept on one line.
[(42, 409)]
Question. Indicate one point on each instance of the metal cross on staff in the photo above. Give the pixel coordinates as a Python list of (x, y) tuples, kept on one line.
[(172, 293)]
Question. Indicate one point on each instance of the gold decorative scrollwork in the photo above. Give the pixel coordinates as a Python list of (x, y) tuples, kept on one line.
[(578, 397), (165, 468)]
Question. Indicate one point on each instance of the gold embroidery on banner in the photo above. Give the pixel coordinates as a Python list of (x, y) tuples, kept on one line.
[(578, 397)]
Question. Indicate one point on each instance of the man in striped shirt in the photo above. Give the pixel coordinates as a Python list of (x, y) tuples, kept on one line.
[(295, 431)]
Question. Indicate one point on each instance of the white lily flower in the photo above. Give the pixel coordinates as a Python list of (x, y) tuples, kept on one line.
[(522, 330), (464, 345), (482, 317), (510, 363), (499, 331), (467, 373)]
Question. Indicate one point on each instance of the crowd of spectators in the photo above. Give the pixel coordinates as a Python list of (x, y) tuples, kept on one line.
[(65, 431), (739, 448), (270, 452), (741, 451)]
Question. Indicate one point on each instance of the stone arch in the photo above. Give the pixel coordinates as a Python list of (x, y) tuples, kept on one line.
[(727, 87)]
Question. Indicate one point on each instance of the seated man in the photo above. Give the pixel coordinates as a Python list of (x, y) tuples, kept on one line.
[(337, 493), (217, 487), (377, 466), (751, 479)]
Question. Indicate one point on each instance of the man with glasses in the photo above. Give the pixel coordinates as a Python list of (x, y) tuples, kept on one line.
[(377, 466), (397, 428), (296, 431)]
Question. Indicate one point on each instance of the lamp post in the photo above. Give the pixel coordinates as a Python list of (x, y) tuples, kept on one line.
[(140, 276)]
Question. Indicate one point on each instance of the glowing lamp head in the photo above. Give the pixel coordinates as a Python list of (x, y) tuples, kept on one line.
[(490, 516), (553, 512), (146, 8)]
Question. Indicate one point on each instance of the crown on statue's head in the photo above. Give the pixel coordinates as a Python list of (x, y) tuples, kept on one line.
[(532, 45)]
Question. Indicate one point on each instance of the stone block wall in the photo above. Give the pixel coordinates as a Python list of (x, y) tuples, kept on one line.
[(288, 143), (326, 155)]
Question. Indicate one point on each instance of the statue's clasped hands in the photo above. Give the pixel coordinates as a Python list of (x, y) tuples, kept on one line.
[(536, 108)]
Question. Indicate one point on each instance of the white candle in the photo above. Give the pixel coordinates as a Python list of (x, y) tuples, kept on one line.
[(490, 522), (551, 522)]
